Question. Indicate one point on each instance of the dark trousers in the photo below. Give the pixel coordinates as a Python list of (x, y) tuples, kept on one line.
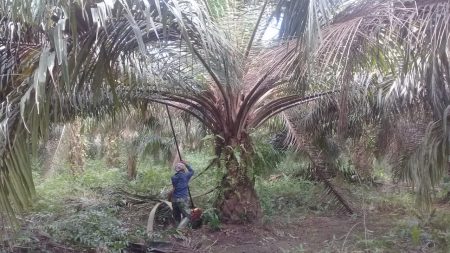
[(180, 209)]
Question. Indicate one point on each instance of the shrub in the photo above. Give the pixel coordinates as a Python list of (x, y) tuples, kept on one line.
[(284, 194), (90, 228), (211, 218)]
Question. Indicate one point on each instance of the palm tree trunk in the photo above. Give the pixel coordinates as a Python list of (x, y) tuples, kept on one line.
[(76, 156), (112, 151), (131, 166), (238, 201)]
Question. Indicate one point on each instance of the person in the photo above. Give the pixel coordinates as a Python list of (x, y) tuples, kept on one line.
[(180, 183)]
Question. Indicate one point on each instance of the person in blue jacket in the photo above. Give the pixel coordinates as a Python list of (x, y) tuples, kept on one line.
[(180, 195)]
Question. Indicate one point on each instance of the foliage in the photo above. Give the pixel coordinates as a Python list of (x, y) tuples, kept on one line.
[(104, 52), (346, 167), (149, 178), (211, 218), (76, 59), (294, 165), (406, 231), (90, 228), (297, 249), (409, 85), (285, 195), (72, 57), (432, 235), (265, 157), (84, 211), (382, 170)]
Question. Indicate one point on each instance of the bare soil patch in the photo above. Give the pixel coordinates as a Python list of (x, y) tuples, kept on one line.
[(287, 235)]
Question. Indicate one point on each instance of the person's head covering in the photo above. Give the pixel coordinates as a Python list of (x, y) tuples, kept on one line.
[(179, 167)]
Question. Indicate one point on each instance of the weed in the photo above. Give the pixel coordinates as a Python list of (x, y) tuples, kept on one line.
[(151, 178), (293, 164), (381, 170), (211, 218), (284, 194), (377, 245), (297, 249), (92, 228)]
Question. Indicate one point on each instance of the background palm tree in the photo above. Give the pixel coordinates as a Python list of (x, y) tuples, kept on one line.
[(405, 46), (67, 59)]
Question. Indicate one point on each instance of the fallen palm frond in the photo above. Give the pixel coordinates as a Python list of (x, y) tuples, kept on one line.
[(163, 210), (333, 193), (135, 198), (300, 141)]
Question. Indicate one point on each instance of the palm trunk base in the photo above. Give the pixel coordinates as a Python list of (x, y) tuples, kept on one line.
[(239, 203)]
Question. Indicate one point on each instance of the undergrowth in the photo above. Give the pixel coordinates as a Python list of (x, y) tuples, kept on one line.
[(90, 228), (84, 211), (285, 195)]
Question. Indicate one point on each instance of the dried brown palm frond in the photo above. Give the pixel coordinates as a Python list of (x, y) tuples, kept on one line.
[(301, 141), (312, 129)]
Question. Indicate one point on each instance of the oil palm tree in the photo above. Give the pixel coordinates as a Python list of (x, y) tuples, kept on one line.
[(65, 59), (406, 45), (235, 98), (90, 58)]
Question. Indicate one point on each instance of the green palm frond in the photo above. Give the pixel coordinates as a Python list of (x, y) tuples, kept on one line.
[(405, 41), (304, 18), (69, 59), (388, 36), (94, 58)]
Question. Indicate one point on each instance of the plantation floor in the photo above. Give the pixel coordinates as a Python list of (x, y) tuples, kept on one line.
[(90, 213), (306, 234), (377, 231)]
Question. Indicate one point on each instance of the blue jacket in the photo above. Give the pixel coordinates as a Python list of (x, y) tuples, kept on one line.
[(180, 182)]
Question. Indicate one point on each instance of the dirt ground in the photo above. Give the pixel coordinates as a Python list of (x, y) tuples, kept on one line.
[(307, 234), (298, 233), (285, 235)]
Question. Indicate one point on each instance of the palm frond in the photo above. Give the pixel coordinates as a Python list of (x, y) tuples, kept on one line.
[(300, 141), (304, 18), (69, 58), (407, 41)]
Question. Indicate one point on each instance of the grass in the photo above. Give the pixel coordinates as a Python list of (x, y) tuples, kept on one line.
[(93, 227), (285, 195), (82, 210), (406, 230)]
